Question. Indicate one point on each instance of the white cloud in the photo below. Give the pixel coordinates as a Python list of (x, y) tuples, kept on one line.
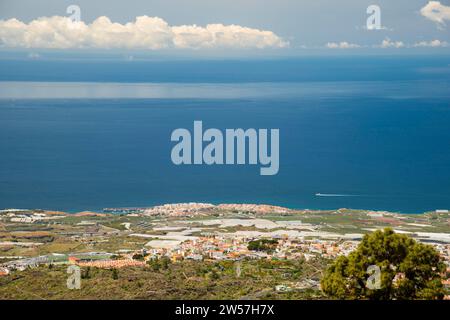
[(437, 12), (342, 45), (432, 43), (145, 32), (388, 43)]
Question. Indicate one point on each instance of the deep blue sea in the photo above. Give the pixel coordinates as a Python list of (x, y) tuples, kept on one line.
[(83, 135)]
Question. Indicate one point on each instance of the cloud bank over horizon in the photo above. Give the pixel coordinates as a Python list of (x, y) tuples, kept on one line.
[(434, 44), (342, 45), (388, 43), (148, 33)]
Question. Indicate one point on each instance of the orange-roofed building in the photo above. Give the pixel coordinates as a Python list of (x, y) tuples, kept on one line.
[(4, 272), (73, 260), (176, 257)]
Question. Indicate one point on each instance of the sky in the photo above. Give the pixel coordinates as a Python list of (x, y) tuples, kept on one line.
[(283, 26)]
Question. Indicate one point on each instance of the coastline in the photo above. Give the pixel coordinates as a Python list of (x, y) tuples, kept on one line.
[(193, 207)]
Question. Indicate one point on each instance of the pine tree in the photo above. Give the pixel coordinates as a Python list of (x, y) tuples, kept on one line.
[(408, 270)]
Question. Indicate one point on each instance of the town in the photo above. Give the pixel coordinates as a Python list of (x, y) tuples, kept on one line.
[(202, 233)]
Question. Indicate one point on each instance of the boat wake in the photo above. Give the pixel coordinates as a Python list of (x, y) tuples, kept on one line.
[(335, 195)]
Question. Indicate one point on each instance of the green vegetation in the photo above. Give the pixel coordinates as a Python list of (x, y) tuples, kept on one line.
[(86, 274), (16, 236), (115, 274), (409, 270), (138, 256), (181, 280), (157, 264), (267, 245)]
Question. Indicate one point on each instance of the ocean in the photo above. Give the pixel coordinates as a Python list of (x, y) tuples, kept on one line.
[(355, 132)]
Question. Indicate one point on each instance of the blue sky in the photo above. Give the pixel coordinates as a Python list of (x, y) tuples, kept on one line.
[(302, 24)]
